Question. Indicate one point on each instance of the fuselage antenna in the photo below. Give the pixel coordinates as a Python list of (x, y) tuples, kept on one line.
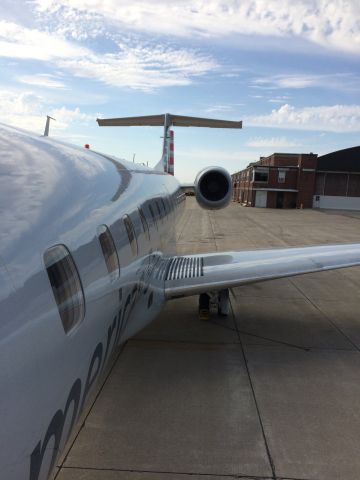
[(47, 125)]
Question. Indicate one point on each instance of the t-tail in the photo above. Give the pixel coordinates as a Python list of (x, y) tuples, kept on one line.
[(167, 120)]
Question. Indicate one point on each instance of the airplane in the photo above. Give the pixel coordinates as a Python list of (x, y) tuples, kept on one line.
[(87, 259)]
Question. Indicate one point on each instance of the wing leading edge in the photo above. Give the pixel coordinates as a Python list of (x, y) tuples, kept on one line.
[(195, 274)]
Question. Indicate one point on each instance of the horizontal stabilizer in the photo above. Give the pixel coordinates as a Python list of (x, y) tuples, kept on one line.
[(148, 120), (180, 121), (168, 119)]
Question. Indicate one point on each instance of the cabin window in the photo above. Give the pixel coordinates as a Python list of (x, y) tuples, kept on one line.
[(158, 209), (164, 206), (171, 205), (131, 234), (144, 223), (109, 251), (66, 286), (168, 204), (152, 213)]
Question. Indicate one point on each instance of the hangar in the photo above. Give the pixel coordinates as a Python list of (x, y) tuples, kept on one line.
[(337, 182), (301, 180)]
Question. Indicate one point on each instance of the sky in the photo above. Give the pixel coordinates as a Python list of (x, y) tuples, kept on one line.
[(289, 69)]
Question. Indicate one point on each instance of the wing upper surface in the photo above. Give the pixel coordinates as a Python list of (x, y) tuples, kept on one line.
[(194, 274)]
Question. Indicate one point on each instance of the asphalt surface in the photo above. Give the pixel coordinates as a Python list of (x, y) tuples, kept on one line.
[(271, 392)]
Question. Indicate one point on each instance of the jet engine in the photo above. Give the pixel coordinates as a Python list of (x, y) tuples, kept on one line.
[(213, 188)]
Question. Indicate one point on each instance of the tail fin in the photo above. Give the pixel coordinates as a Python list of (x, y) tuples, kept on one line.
[(167, 160)]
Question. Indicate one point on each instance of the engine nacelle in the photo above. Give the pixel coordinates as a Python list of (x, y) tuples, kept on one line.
[(213, 188)]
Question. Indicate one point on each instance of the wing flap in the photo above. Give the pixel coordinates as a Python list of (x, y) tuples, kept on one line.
[(195, 274)]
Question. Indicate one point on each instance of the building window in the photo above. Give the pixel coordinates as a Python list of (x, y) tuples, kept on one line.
[(281, 176), (109, 251), (131, 234), (261, 174), (66, 286)]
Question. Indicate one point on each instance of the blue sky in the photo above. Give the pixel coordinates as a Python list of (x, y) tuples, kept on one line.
[(289, 69)]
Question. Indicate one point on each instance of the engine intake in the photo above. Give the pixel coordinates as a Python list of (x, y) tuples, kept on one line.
[(213, 188)]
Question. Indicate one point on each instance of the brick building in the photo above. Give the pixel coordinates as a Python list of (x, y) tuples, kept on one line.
[(283, 180), (292, 180)]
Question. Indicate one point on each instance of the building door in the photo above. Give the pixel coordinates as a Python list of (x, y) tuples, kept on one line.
[(261, 199), (280, 200), (316, 201)]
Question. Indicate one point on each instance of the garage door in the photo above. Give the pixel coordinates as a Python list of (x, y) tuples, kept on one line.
[(260, 199)]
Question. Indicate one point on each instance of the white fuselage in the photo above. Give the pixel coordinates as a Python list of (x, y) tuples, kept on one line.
[(56, 194)]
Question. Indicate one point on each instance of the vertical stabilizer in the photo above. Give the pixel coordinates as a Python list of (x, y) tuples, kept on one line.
[(167, 159), (171, 153)]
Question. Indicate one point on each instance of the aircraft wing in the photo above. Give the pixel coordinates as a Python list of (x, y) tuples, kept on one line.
[(195, 274)]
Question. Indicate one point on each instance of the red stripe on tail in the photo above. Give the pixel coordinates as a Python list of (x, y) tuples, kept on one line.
[(171, 153)]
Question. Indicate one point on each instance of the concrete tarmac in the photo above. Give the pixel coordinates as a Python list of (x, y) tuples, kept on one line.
[(271, 392)]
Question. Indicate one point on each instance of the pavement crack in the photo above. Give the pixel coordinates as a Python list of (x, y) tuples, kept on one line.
[(325, 315), (261, 337), (183, 227), (267, 448), (60, 465), (213, 229), (166, 472)]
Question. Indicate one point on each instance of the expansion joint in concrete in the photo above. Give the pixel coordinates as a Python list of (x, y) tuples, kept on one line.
[(61, 464), (334, 325), (163, 472), (268, 452)]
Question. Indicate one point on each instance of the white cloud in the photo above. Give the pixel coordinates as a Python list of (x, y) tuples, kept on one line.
[(279, 99), (288, 81), (133, 65), (41, 80), (220, 109), (142, 67), (334, 118), (228, 109), (300, 80), (65, 117), (329, 23), (17, 41), (28, 110), (273, 142)]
